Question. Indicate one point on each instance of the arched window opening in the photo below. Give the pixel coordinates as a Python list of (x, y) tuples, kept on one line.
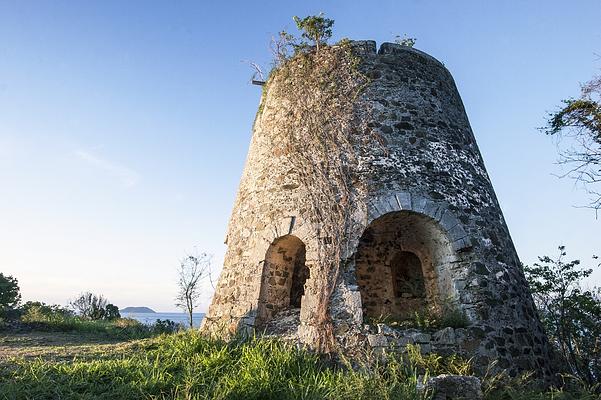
[(284, 277), (403, 263)]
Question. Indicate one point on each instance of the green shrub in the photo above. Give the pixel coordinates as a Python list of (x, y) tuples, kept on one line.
[(111, 312), (453, 318), (523, 387), (10, 294), (570, 313), (166, 326), (35, 311), (52, 318), (315, 28)]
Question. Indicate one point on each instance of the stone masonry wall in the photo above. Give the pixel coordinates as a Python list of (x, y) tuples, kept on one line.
[(427, 192)]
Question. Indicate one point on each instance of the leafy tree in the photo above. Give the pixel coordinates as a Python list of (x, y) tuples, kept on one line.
[(315, 28), (570, 314), (111, 312), (580, 120), (10, 295), (90, 306), (192, 270)]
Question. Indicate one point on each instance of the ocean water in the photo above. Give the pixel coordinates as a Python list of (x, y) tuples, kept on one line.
[(178, 317)]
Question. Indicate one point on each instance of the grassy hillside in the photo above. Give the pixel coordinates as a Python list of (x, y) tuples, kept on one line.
[(188, 366)]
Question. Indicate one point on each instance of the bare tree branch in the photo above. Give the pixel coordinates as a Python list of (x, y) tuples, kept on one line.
[(193, 269)]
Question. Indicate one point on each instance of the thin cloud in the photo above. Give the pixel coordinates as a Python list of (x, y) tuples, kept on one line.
[(127, 176)]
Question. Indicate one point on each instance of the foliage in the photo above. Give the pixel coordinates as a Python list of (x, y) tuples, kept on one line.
[(405, 40), (165, 326), (10, 295), (435, 364), (35, 311), (523, 387), (192, 270), (42, 317), (454, 318), (570, 313), (90, 306), (426, 321), (580, 120), (187, 365), (423, 321), (111, 312), (315, 28)]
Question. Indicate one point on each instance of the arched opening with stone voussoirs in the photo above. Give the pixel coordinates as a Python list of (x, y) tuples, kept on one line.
[(404, 265), (283, 279)]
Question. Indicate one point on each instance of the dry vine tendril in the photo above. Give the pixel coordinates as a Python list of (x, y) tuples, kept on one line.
[(319, 130)]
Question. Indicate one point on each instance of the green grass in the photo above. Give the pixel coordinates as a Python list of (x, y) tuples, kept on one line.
[(501, 387), (187, 365), (121, 328)]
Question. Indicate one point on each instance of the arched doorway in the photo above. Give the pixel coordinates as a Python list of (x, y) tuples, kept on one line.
[(403, 265), (284, 277)]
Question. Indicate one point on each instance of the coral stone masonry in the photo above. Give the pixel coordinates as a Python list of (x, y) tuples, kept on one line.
[(428, 237)]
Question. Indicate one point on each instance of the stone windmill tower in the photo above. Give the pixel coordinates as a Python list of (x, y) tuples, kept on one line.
[(420, 229)]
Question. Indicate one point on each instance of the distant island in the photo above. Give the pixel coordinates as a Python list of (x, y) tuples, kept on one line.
[(138, 310)]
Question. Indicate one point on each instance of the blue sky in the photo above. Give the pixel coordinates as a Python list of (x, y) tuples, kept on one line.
[(124, 126)]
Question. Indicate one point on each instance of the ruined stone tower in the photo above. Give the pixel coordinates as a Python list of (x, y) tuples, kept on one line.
[(427, 235)]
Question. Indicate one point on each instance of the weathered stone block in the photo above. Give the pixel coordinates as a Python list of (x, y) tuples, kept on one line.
[(421, 337), (419, 203), (455, 387), (460, 335), (457, 233), (377, 340), (431, 208), (448, 221), (403, 341), (444, 336), (425, 348)]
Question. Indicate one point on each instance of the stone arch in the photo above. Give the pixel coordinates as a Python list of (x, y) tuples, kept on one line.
[(284, 276), (439, 211), (404, 263)]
